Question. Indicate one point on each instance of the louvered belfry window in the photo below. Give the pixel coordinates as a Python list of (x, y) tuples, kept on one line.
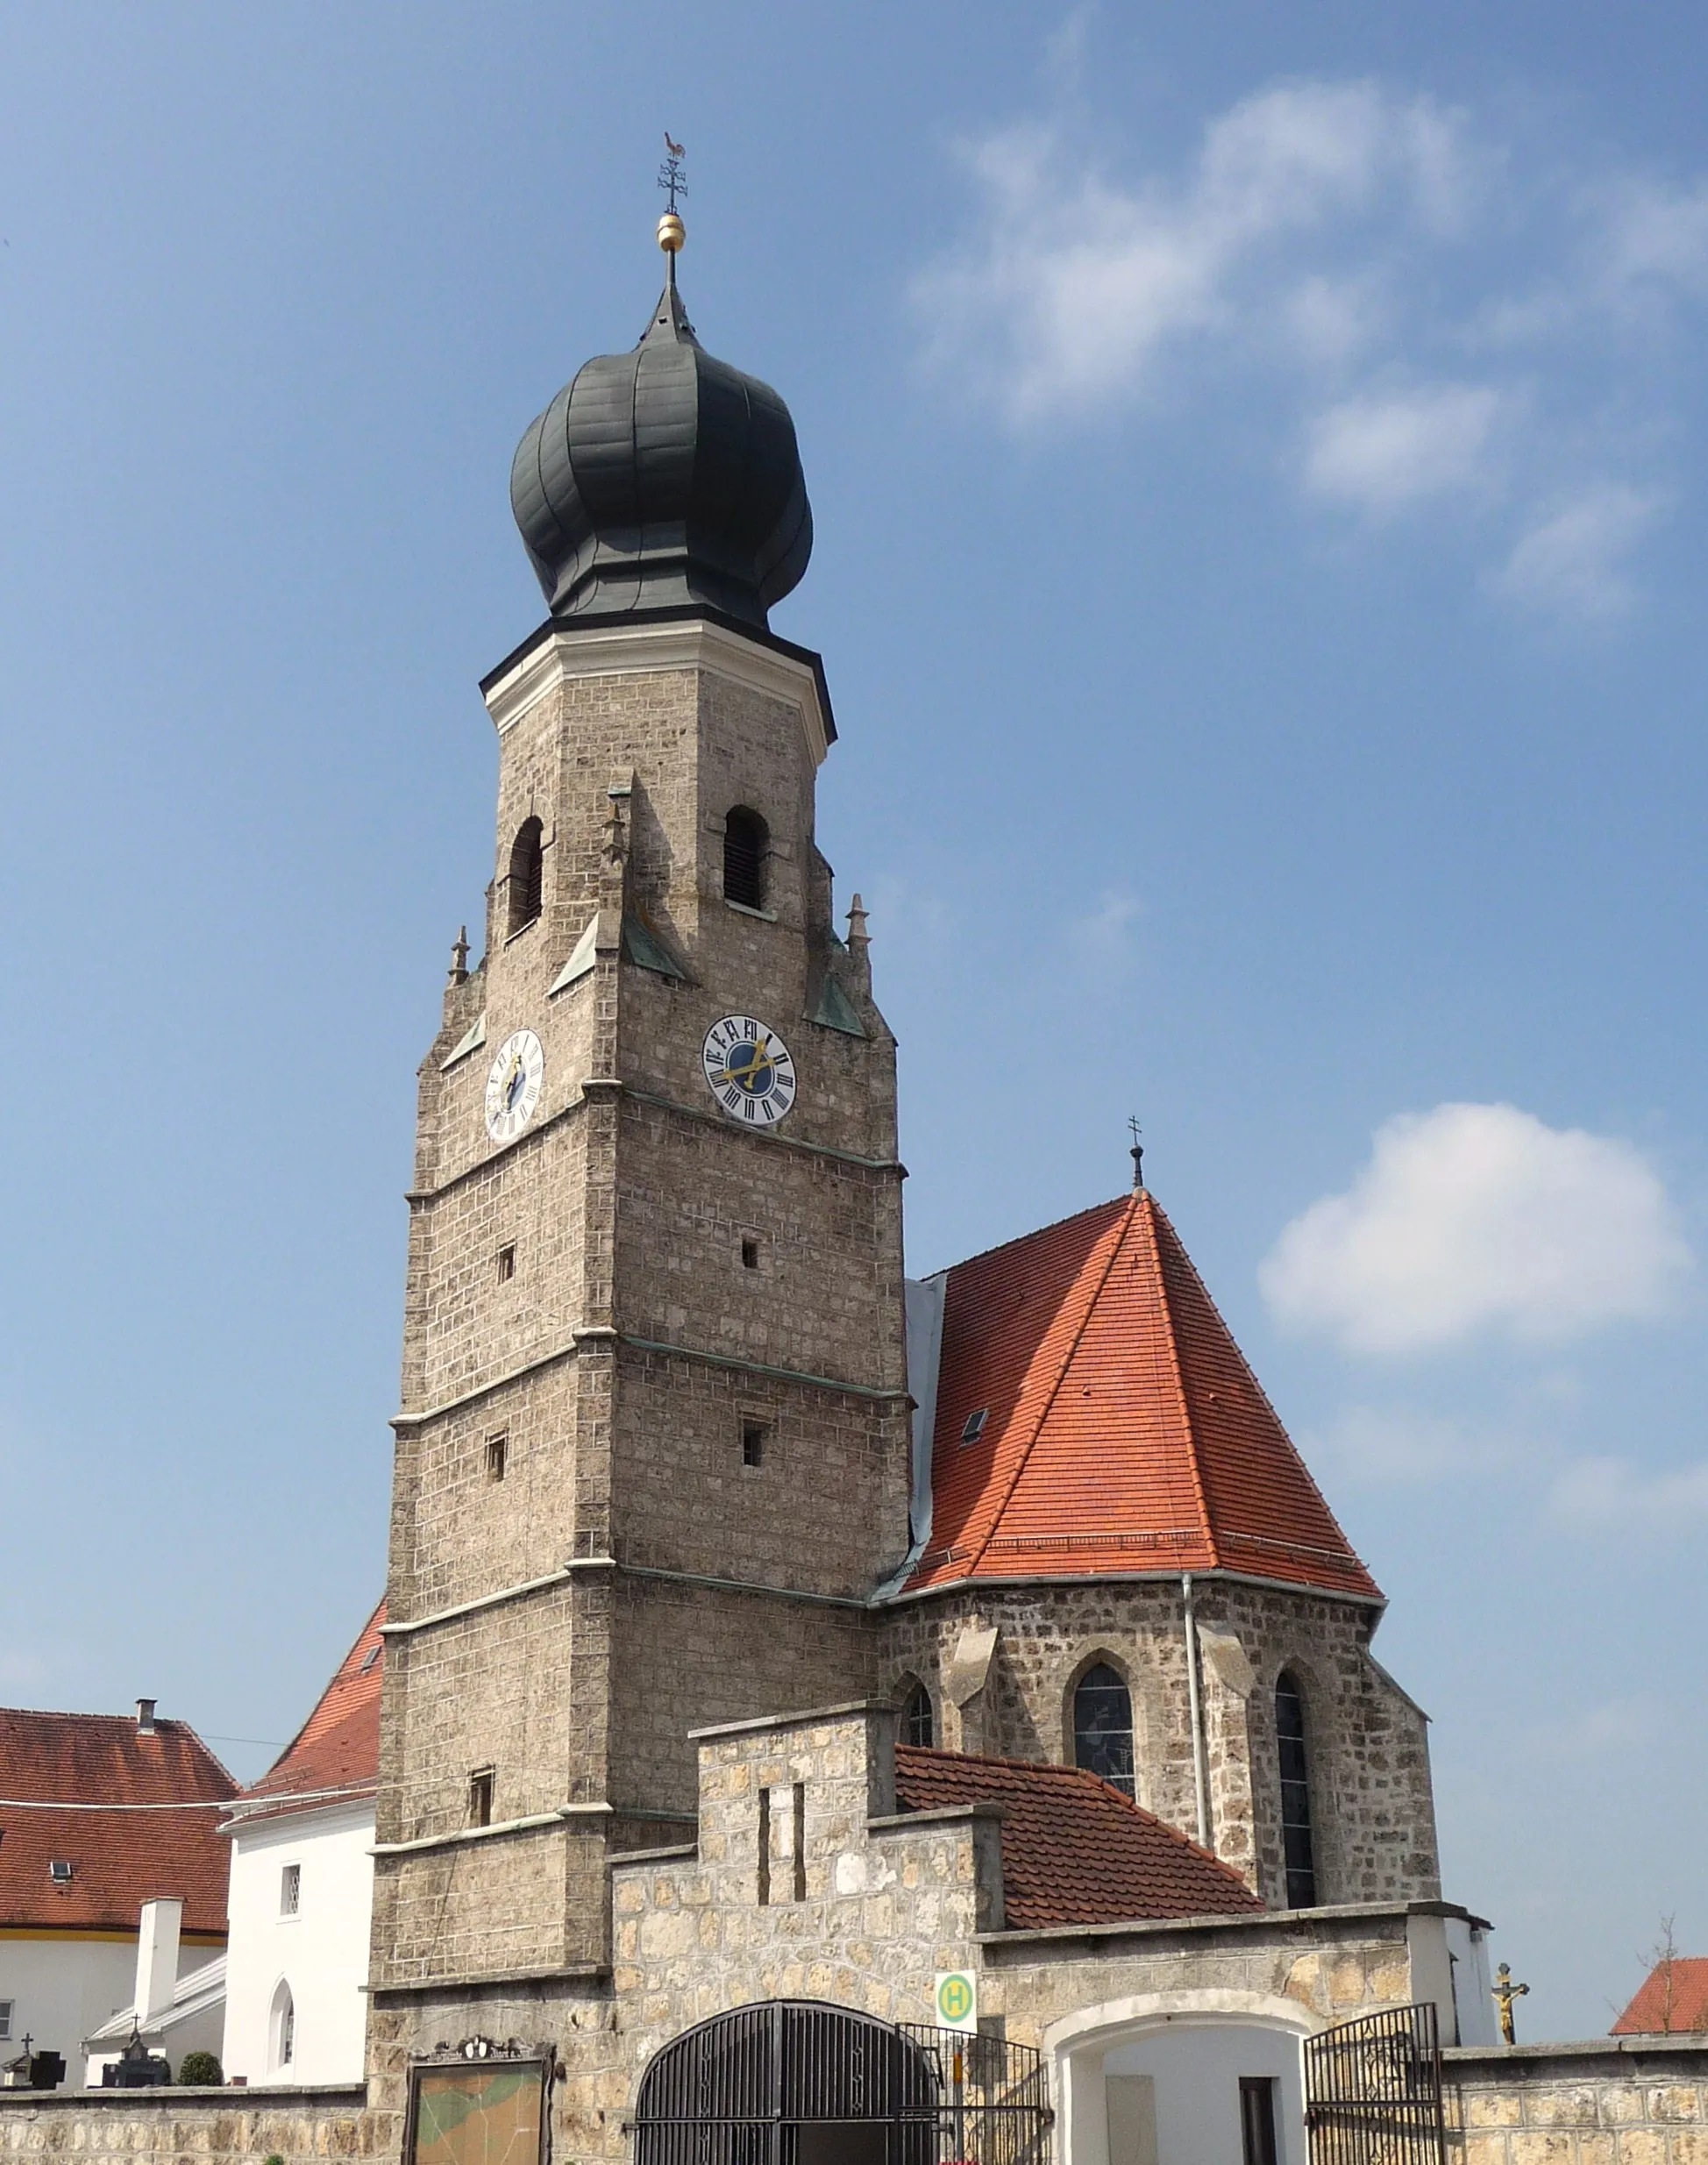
[(1296, 1846), (746, 837)]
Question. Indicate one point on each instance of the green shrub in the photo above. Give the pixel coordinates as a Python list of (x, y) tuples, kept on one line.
[(198, 2067)]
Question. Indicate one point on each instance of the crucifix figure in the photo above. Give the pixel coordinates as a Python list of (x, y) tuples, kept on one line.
[(1504, 1993)]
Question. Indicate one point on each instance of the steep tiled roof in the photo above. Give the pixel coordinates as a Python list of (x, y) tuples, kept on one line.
[(336, 1754), (1123, 1430), (1074, 1850), (120, 1858), (1663, 2002)]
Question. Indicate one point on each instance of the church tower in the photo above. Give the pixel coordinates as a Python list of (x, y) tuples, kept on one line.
[(653, 1453)]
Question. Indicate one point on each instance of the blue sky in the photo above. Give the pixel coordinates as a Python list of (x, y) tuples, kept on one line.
[(1258, 464)]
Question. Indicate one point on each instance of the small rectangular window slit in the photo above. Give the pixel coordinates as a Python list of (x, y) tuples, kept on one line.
[(507, 1263), (764, 1847), (749, 1255), (800, 1802), (498, 1452), (480, 1796), (752, 1442), (290, 1891)]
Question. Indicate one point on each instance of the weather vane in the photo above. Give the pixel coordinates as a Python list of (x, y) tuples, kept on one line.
[(670, 174), (1137, 1152)]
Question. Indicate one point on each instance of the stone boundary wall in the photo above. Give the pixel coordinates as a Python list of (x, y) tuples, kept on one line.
[(1611, 2101), (220, 2126)]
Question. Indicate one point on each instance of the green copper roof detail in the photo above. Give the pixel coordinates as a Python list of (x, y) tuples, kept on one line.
[(835, 1010)]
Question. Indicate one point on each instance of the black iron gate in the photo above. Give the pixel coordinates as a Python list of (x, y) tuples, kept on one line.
[(802, 2083), (1373, 2091), (992, 2098)]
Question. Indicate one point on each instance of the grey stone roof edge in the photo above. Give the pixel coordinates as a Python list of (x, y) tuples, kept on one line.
[(677, 613), (756, 1722), (1239, 1921), (222, 2095), (1501, 2056)]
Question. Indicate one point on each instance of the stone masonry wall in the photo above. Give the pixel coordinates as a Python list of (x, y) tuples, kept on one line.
[(544, 1276), (193, 2126), (1615, 2101), (1372, 1808), (692, 1654)]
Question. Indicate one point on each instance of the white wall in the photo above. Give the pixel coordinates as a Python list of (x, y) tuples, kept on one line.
[(1195, 2069), (1473, 1999), (321, 1953), (1156, 2080), (63, 1989)]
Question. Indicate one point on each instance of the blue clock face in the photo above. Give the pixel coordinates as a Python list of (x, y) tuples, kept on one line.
[(749, 1069)]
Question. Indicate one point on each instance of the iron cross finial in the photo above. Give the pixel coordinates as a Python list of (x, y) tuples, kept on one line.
[(1504, 1993), (1136, 1152), (670, 174)]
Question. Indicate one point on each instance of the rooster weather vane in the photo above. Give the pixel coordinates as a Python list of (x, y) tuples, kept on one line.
[(670, 174)]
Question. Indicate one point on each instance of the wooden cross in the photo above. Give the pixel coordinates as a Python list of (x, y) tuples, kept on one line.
[(1504, 1993)]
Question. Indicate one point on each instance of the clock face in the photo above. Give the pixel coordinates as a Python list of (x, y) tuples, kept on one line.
[(749, 1069), (513, 1086)]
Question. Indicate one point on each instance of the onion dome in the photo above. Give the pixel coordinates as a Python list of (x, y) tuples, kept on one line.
[(662, 478)]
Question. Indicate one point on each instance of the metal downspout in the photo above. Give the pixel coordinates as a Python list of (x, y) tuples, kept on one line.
[(1200, 1775)]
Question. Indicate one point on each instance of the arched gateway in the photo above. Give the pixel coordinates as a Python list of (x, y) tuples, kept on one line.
[(790, 2081)]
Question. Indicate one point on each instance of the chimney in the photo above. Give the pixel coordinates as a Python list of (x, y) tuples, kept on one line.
[(157, 1957), (145, 1717)]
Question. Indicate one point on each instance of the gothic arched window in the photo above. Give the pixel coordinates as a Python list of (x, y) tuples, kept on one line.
[(918, 1722), (283, 2026), (1296, 1849), (745, 839), (527, 882), (1103, 1727)]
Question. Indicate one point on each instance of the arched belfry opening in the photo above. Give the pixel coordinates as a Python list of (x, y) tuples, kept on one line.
[(525, 886), (746, 842), (1297, 1847)]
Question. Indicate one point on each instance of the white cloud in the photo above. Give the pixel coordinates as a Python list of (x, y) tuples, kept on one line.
[(1613, 1495), (1404, 1443), (1611, 1730), (1572, 561), (1383, 450), (1079, 283), (1325, 242), (1106, 935), (1479, 1218), (1653, 237)]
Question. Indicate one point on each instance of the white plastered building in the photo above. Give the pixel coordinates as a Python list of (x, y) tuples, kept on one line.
[(301, 1891)]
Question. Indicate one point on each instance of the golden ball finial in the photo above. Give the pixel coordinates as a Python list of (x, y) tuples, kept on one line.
[(671, 233)]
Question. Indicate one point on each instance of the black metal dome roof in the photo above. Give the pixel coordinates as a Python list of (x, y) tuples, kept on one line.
[(663, 477)]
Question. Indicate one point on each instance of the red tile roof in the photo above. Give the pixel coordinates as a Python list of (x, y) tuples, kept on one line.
[(336, 1754), (1663, 2002), (1075, 1851), (1124, 1431), (120, 1858)]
